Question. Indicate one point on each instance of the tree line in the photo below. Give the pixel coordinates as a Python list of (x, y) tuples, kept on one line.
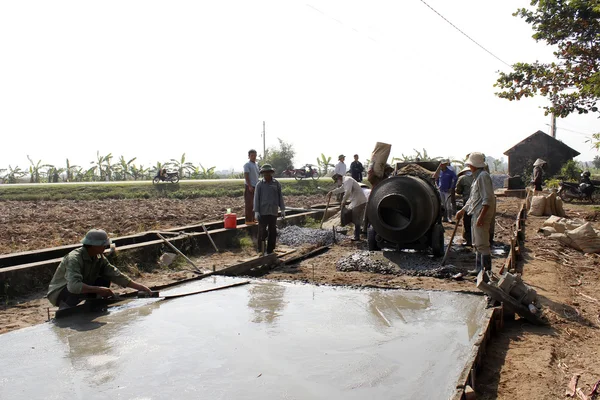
[(108, 168)]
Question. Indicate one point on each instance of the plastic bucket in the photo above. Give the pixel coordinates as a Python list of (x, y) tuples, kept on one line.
[(230, 221)]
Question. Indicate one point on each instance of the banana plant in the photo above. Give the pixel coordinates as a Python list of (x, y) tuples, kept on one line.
[(323, 164), (70, 170), (207, 173), (181, 165), (35, 170), (12, 175), (124, 168)]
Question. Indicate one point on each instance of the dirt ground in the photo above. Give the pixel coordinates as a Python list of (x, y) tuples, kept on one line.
[(522, 361)]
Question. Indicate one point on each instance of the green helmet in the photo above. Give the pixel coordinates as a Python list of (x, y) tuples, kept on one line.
[(96, 237), (266, 168)]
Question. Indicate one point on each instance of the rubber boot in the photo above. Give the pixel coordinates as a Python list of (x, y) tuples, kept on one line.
[(475, 272), (486, 262)]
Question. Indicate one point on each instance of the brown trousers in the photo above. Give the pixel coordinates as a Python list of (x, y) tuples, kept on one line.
[(249, 204)]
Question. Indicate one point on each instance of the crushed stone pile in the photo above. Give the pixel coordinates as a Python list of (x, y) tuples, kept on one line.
[(297, 236), (414, 169), (395, 263)]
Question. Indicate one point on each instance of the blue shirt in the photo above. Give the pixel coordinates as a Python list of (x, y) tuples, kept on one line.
[(447, 180), (252, 169)]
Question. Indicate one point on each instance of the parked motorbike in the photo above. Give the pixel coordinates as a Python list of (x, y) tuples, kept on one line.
[(569, 191), (169, 176), (300, 173)]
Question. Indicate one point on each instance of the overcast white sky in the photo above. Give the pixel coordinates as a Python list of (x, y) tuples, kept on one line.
[(155, 79)]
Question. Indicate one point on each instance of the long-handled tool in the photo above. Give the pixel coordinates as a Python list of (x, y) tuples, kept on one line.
[(209, 238), (175, 296), (450, 243), (196, 269), (325, 213)]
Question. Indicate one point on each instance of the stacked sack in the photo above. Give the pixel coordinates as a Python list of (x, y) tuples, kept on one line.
[(540, 205), (574, 233)]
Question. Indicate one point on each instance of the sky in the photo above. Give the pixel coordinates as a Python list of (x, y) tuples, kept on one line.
[(157, 79)]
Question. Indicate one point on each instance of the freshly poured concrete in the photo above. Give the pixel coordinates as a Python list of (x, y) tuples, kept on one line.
[(265, 340)]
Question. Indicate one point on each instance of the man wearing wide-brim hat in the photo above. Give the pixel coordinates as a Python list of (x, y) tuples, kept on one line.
[(268, 200), (86, 273), (481, 206), (538, 174)]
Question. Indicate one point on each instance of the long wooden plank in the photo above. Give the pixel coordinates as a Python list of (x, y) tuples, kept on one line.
[(176, 296), (312, 253)]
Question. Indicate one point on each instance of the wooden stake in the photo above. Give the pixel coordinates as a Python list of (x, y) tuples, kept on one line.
[(180, 253), (209, 238)]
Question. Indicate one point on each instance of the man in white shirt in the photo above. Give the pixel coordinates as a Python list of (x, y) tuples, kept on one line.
[(358, 201), (340, 170)]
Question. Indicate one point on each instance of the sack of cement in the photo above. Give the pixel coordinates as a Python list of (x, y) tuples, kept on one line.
[(547, 230), (563, 239), (550, 206), (538, 204), (585, 238), (552, 220), (379, 158), (573, 223), (560, 211)]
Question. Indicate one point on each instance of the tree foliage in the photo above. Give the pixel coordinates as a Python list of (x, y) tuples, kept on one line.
[(572, 81), (280, 157)]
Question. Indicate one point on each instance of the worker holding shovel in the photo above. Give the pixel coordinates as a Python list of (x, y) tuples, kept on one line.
[(358, 202), (481, 207)]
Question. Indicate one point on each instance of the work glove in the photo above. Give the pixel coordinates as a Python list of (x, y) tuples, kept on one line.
[(282, 214), (256, 216)]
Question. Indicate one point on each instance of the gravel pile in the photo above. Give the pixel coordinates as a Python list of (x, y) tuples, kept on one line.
[(297, 236), (396, 263)]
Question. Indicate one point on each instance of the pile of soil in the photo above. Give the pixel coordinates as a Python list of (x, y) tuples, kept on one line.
[(414, 169)]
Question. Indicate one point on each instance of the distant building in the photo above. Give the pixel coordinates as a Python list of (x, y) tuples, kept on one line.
[(539, 145)]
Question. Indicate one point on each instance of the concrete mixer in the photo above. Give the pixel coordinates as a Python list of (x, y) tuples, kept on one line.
[(405, 211)]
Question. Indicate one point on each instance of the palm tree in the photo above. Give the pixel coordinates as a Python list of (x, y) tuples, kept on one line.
[(181, 165), (139, 172)]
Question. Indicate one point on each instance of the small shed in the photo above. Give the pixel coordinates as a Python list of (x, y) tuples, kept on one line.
[(539, 145)]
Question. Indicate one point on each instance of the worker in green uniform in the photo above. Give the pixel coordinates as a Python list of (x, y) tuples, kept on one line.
[(85, 273)]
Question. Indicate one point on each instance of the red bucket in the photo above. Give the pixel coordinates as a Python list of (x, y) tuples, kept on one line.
[(230, 221)]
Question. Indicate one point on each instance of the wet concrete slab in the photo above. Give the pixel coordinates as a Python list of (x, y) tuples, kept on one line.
[(265, 340)]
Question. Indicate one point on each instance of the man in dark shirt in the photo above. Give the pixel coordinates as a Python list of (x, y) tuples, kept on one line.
[(356, 169), (268, 199)]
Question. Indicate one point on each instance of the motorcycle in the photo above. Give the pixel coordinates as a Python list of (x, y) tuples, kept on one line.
[(300, 173), (169, 176), (569, 191)]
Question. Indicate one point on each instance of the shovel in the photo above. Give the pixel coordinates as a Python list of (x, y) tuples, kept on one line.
[(451, 240), (325, 213)]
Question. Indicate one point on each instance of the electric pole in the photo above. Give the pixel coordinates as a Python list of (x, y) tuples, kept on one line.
[(264, 141), (553, 125)]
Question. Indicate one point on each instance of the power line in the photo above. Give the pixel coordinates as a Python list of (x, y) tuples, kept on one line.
[(467, 36)]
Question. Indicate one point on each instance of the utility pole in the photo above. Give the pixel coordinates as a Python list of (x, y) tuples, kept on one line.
[(264, 141), (553, 125)]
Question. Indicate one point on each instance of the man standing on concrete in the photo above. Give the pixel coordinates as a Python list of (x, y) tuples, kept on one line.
[(538, 174), (463, 188), (358, 202), (267, 200), (251, 178), (481, 207), (446, 182), (356, 169), (85, 273)]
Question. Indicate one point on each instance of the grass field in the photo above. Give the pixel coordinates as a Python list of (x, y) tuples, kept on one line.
[(146, 190)]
